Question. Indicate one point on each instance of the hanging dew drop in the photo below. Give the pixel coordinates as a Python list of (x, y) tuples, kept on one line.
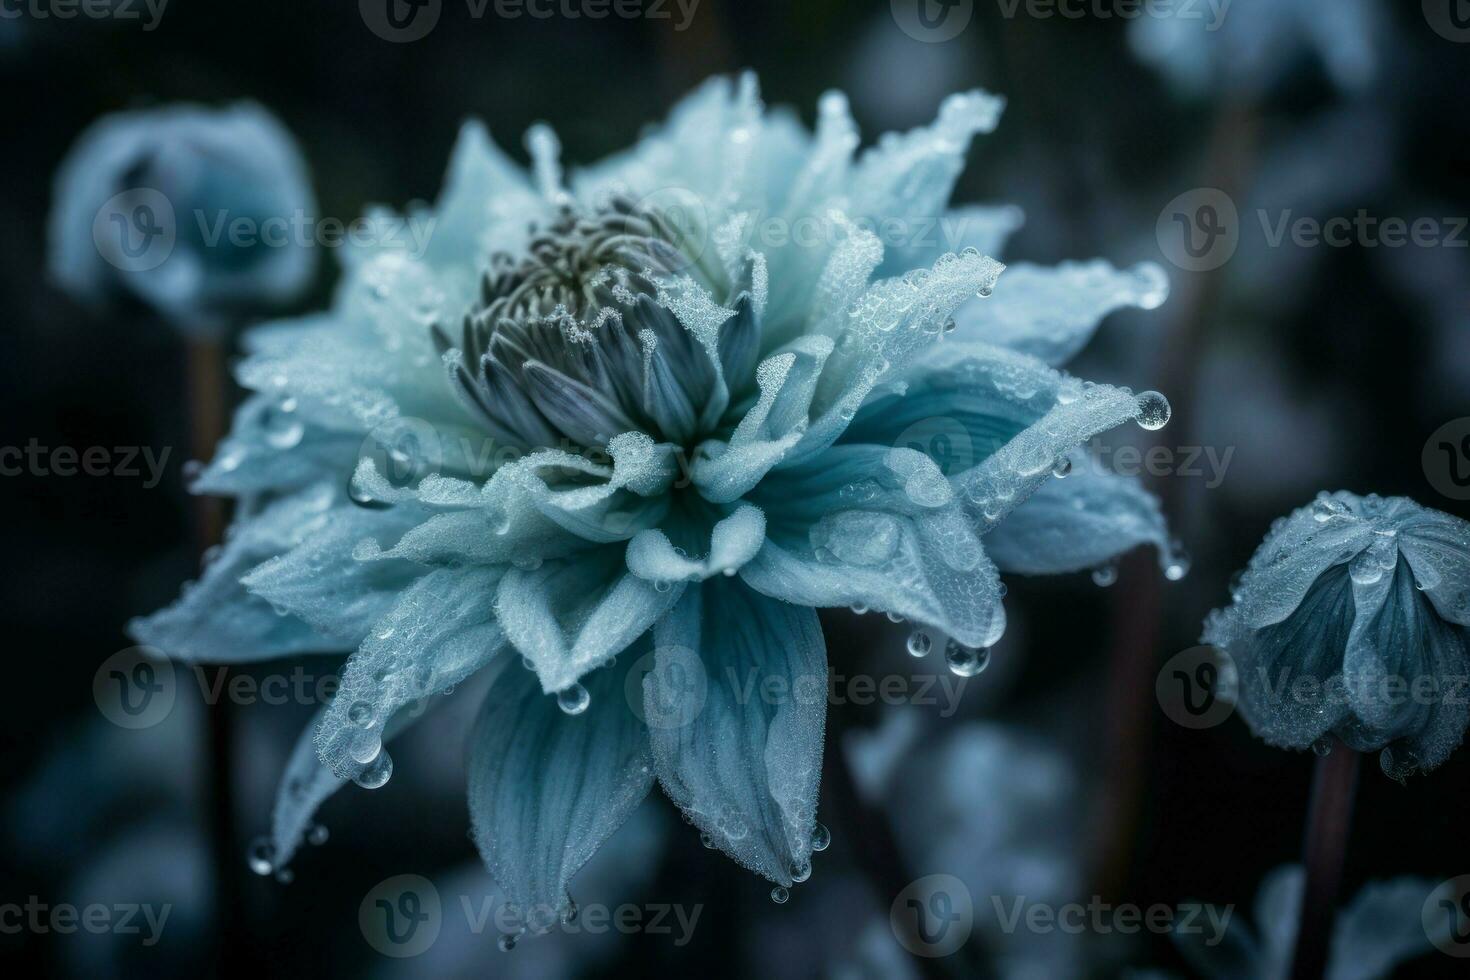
[(376, 773), (1104, 575), (574, 700), (801, 872), (1153, 411), (1178, 564), (919, 643), (506, 942), (261, 858), (1322, 748), (779, 895), (821, 837), (966, 661), (1062, 467), (707, 840)]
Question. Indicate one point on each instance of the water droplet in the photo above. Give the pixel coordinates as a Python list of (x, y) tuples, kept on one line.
[(377, 773), (364, 746), (574, 700), (317, 836), (920, 643), (499, 520), (1322, 747), (261, 857), (1153, 410), (966, 661), (1178, 564), (527, 663), (361, 714), (507, 941), (1326, 508), (821, 837), (1062, 467), (706, 839), (894, 617), (1105, 575), (860, 609), (779, 895)]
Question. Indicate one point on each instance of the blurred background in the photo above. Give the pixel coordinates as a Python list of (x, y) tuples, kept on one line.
[(1054, 776)]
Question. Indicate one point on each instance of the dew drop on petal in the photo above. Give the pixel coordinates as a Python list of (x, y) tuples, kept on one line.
[(361, 714), (966, 661), (377, 773), (779, 895), (506, 942), (1322, 747), (821, 837), (1153, 410), (1105, 575), (573, 700), (364, 746), (919, 643)]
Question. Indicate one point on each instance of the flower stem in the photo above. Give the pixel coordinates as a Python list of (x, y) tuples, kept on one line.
[(207, 385), (1324, 849)]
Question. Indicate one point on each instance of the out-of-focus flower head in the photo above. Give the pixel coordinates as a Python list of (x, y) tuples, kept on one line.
[(644, 421), (1382, 927), (1351, 621), (197, 212), (1242, 48)]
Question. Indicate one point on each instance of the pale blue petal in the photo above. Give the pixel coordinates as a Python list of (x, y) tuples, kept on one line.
[(734, 541), (1381, 928), (441, 630), (569, 616), (744, 768), (546, 788), (1082, 521)]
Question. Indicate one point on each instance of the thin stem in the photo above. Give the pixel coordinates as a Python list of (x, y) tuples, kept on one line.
[(1324, 850), (206, 384)]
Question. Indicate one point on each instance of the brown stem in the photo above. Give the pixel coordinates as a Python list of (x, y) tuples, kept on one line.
[(1324, 850)]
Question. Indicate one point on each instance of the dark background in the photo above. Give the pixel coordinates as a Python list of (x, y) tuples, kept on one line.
[(1323, 368)]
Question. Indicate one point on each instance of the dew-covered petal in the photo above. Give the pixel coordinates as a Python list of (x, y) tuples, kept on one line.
[(1082, 521), (271, 449), (441, 630), (217, 620), (568, 616), (1052, 312), (1437, 547), (546, 788), (744, 767), (734, 540)]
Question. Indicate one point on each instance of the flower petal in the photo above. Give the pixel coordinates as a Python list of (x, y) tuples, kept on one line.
[(547, 788), (745, 768), (441, 630), (733, 542)]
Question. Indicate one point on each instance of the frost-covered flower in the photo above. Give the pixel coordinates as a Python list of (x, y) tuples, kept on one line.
[(1351, 620), (189, 209), (1383, 927), (1242, 47), (654, 416)]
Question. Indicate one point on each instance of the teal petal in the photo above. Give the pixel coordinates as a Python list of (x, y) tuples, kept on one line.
[(546, 788), (744, 768)]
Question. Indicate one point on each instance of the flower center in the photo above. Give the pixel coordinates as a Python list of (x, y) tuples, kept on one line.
[(569, 342)]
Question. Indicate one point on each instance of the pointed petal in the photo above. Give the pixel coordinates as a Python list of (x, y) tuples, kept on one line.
[(745, 768), (546, 788)]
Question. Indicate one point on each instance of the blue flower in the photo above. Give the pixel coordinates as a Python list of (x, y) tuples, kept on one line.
[(1351, 620), (197, 212), (643, 423)]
